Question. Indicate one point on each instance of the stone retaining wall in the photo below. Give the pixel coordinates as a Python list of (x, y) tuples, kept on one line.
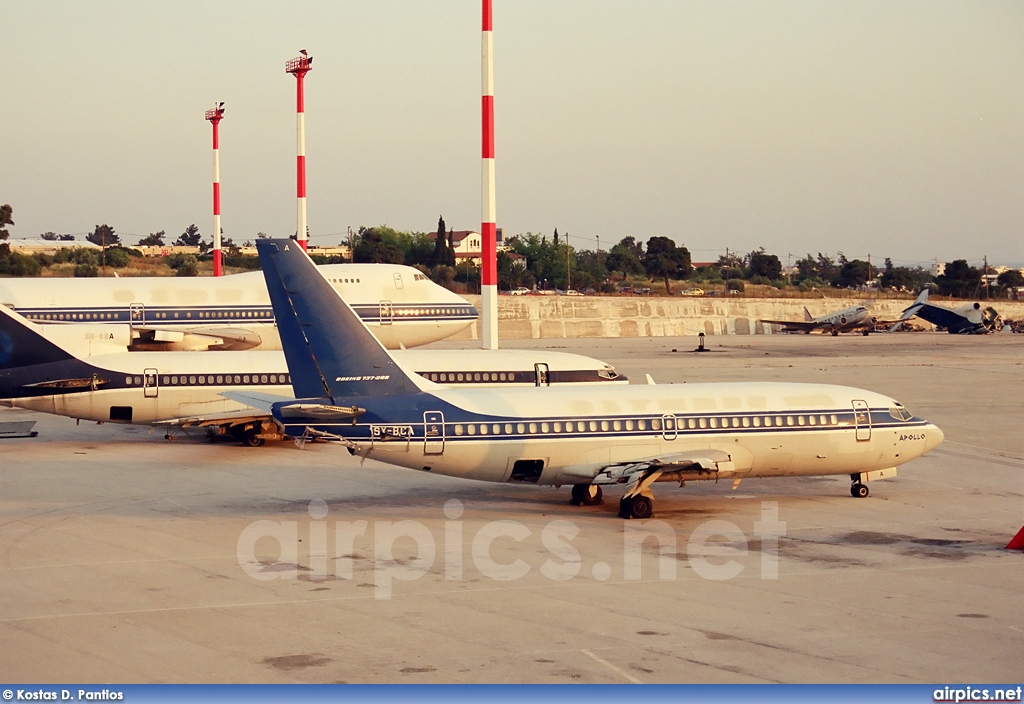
[(553, 317)]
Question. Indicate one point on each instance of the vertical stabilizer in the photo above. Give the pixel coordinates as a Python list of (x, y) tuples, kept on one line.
[(330, 352), (21, 345)]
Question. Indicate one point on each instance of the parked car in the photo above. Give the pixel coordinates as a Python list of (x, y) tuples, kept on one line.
[(692, 292), (521, 291), (573, 292)]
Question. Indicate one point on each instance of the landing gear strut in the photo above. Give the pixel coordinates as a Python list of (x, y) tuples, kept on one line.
[(638, 506), (586, 495)]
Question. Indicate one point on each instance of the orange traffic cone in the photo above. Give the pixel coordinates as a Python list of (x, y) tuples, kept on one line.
[(1017, 541)]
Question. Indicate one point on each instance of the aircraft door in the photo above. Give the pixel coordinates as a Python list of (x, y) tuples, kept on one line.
[(541, 374), (862, 420), (398, 279), (150, 383), (433, 433), (669, 428), (387, 313), (137, 313)]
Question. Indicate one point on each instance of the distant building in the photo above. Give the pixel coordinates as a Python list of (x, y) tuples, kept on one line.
[(469, 244), (164, 250), (50, 247)]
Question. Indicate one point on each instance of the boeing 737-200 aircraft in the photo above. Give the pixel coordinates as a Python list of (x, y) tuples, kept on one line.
[(85, 371), (350, 390), (401, 306)]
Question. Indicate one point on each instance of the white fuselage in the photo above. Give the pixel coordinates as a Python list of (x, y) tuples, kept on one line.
[(400, 305), (765, 429), (163, 386)]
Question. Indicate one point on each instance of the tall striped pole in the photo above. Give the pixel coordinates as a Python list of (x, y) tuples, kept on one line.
[(488, 228), (215, 116), (299, 67)]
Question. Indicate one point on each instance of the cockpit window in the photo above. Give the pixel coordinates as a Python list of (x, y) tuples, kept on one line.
[(607, 373), (900, 413)]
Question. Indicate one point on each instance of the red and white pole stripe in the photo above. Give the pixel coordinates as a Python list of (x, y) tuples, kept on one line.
[(215, 116), (488, 228), (301, 164), (299, 67)]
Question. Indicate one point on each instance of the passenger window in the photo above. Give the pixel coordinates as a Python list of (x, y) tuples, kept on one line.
[(593, 426), (800, 420), (746, 422), (483, 428), (521, 428), (604, 425), (704, 422), (558, 427), (533, 427), (496, 429), (128, 380), (629, 425), (459, 430), (508, 429), (616, 425), (471, 429), (641, 424), (714, 422), (812, 420), (789, 420), (735, 422), (835, 419), (655, 423), (545, 428), (757, 421)]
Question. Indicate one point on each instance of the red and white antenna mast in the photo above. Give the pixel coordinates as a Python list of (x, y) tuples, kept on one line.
[(488, 228), (299, 67), (215, 116)]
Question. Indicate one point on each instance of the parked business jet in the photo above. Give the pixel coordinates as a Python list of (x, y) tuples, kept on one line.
[(845, 320), (85, 371), (400, 305), (969, 319), (350, 390)]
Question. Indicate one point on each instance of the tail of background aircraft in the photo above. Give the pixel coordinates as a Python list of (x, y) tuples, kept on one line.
[(330, 352), (22, 346), (807, 315)]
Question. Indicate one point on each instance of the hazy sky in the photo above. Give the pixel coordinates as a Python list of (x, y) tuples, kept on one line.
[(883, 128)]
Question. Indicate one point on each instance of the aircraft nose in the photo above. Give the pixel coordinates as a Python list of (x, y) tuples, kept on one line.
[(933, 437)]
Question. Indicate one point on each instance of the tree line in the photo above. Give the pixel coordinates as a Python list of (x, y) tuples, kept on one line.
[(534, 260)]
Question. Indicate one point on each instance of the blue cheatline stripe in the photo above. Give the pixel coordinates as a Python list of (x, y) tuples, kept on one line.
[(535, 694), (451, 434), (174, 315)]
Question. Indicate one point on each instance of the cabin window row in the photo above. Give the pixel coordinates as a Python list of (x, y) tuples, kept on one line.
[(656, 424), (470, 377), (425, 311), (345, 281), (203, 379)]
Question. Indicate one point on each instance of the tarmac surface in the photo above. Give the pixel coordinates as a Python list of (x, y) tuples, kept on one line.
[(126, 558)]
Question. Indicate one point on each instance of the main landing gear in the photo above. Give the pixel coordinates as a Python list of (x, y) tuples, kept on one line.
[(586, 495), (638, 506)]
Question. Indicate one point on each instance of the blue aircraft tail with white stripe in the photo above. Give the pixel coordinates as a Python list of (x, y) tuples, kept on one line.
[(22, 346), (330, 352)]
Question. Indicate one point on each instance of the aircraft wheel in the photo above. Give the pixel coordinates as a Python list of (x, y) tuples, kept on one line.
[(865, 333), (586, 495), (636, 507), (168, 437), (835, 333), (252, 439), (859, 490)]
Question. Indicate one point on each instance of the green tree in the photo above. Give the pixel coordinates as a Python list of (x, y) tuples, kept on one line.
[(440, 253), (66, 238), (664, 258), (104, 236), (854, 274), (371, 247), (1011, 278), (959, 279), (154, 239), (625, 258), (765, 265), (6, 212), (49, 236), (187, 265), (191, 237)]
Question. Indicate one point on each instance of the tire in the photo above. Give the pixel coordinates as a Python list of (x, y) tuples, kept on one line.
[(859, 491), (252, 439), (641, 507), (586, 495)]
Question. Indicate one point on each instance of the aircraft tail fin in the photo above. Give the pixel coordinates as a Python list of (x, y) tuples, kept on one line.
[(21, 344), (330, 352), (807, 315)]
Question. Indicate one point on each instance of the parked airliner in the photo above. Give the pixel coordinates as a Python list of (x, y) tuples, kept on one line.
[(85, 371), (399, 304), (350, 390), (845, 320)]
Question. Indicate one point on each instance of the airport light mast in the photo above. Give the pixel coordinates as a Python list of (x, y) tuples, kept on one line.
[(299, 67), (488, 227), (215, 116)]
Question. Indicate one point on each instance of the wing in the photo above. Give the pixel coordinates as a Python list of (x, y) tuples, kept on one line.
[(233, 339), (794, 324), (674, 466), (256, 408)]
